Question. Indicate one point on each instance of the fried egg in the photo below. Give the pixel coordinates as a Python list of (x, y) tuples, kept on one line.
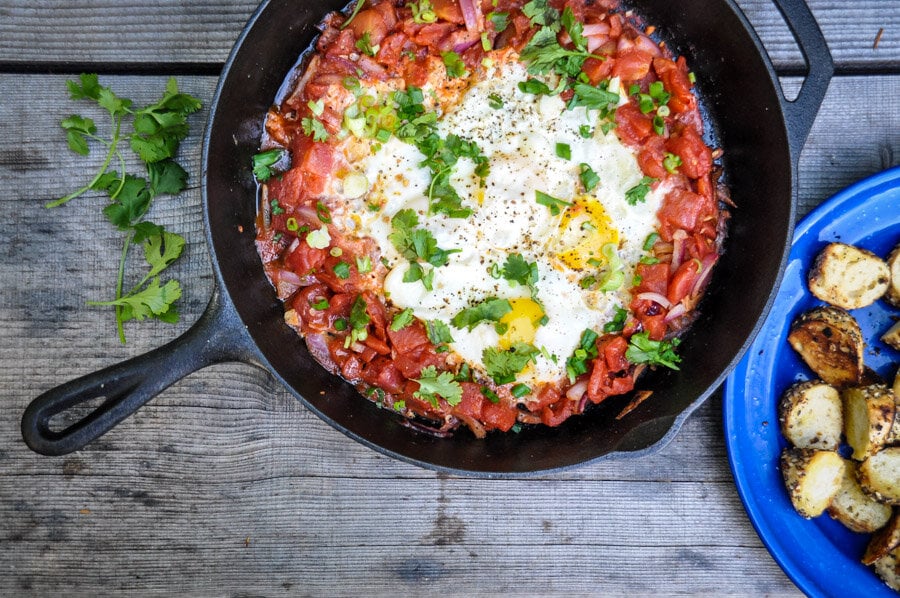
[(521, 141)]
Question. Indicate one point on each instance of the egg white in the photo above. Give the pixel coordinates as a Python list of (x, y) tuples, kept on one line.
[(520, 142)]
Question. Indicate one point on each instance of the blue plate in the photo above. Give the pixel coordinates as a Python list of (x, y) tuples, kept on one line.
[(820, 555)]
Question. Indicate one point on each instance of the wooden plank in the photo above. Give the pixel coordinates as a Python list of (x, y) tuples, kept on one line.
[(226, 484), (48, 32)]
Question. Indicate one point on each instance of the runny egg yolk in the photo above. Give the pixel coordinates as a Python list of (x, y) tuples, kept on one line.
[(584, 229), (522, 322)]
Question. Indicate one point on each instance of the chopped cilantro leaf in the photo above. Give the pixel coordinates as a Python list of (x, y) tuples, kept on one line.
[(434, 386), (502, 366), (402, 319), (455, 66), (359, 322), (416, 243), (643, 350), (592, 97), (438, 332), (314, 128), (639, 192), (535, 87), (541, 13), (491, 309), (364, 45), (517, 269)]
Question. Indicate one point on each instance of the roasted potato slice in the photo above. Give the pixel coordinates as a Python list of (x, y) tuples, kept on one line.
[(884, 541), (848, 276), (830, 342), (893, 294), (810, 414), (879, 475), (812, 477), (897, 384), (888, 569), (856, 509), (869, 413), (892, 336)]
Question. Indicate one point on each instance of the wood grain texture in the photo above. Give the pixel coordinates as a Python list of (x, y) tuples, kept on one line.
[(225, 484), (202, 32)]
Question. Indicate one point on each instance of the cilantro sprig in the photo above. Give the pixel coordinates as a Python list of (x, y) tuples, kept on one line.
[(641, 349), (417, 245), (434, 386), (154, 133), (491, 309), (502, 366), (544, 54)]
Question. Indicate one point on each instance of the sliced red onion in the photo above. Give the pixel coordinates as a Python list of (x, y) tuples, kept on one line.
[(645, 44), (624, 44), (471, 14), (707, 265), (577, 390), (463, 46), (318, 348), (595, 41), (656, 298), (371, 67), (595, 29), (676, 312), (678, 238)]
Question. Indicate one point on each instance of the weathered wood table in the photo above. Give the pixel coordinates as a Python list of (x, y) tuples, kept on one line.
[(225, 484)]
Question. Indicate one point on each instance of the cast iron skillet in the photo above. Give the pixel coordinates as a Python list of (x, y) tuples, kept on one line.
[(762, 135)]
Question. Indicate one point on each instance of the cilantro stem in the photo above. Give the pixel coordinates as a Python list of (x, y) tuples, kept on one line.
[(109, 155), (121, 277)]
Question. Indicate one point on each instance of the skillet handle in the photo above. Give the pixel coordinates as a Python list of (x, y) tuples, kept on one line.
[(217, 336), (801, 112)]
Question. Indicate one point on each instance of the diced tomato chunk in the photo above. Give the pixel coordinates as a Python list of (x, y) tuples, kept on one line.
[(557, 413), (472, 401), (696, 157), (411, 364), (316, 165), (682, 209), (448, 10), (304, 259), (391, 49), (633, 127), (650, 157), (632, 65), (613, 351), (369, 21), (597, 70), (654, 278), (304, 302), (683, 280), (409, 337), (674, 76), (498, 416)]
